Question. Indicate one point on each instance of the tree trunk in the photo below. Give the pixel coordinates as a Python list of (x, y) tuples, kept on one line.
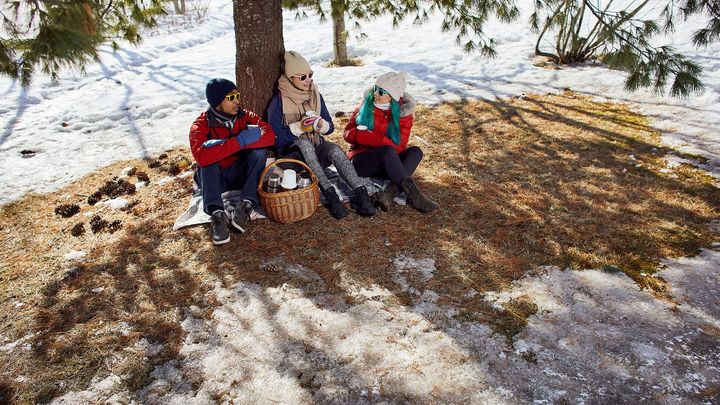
[(180, 7), (90, 24), (339, 34), (259, 51)]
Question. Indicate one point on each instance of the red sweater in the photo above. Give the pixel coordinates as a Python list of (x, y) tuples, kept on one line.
[(207, 127), (360, 141)]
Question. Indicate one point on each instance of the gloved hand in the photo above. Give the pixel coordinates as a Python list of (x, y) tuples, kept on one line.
[(295, 128), (248, 136), (307, 124), (321, 126), (212, 142)]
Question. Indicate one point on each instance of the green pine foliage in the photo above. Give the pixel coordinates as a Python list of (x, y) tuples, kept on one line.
[(465, 17), (711, 31), (355, 10), (54, 34), (585, 30)]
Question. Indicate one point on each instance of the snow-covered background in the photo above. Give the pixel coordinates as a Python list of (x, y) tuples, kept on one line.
[(140, 101)]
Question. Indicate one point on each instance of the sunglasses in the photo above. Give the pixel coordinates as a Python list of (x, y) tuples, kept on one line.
[(233, 96), (380, 91), (304, 77)]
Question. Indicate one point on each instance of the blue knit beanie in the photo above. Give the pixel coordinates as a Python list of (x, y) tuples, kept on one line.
[(217, 89)]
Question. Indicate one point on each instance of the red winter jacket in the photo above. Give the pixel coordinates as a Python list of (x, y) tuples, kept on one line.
[(208, 127), (360, 141)]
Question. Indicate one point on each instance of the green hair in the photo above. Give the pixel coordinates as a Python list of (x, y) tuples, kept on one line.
[(366, 116)]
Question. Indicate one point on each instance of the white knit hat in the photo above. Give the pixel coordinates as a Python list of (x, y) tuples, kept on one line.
[(295, 64), (393, 82)]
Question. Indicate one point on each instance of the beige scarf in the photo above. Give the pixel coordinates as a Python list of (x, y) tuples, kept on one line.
[(296, 102)]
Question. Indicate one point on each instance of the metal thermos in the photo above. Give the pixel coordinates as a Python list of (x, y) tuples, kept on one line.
[(273, 183), (304, 179)]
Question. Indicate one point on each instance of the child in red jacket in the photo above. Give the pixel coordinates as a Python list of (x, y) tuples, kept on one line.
[(378, 133), (229, 145)]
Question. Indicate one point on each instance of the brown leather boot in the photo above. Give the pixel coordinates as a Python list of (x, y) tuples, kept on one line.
[(417, 199)]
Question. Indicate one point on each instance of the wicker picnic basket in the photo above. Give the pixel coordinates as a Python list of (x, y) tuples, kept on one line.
[(291, 205)]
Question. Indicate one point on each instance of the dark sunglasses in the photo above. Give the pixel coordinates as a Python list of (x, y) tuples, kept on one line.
[(380, 91), (304, 77), (233, 96)]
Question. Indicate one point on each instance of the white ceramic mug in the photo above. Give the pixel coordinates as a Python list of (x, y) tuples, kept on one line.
[(289, 179)]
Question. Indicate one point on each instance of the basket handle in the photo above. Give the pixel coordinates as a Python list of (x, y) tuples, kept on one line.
[(313, 178)]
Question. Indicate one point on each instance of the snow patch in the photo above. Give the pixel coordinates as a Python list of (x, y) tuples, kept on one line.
[(115, 203), (597, 338), (9, 347), (75, 254)]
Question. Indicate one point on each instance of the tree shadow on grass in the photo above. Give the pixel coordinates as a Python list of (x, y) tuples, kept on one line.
[(519, 189), (266, 348), (521, 183), (132, 292)]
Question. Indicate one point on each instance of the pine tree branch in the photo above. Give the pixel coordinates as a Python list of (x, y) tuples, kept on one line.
[(615, 28), (596, 43), (579, 24), (539, 52), (107, 9)]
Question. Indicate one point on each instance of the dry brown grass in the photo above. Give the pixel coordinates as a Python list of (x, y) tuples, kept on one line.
[(539, 180)]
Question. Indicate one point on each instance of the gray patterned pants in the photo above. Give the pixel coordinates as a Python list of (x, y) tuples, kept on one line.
[(325, 154)]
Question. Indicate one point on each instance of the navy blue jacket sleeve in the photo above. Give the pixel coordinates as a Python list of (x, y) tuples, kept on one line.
[(325, 114), (284, 137)]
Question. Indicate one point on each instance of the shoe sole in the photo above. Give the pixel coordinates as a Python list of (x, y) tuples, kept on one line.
[(238, 227), (221, 242)]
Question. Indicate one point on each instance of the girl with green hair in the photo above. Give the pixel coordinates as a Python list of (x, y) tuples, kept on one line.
[(378, 133)]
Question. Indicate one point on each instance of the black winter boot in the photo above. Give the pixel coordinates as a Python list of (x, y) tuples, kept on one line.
[(219, 227), (337, 210), (361, 202), (384, 198), (417, 199), (241, 216)]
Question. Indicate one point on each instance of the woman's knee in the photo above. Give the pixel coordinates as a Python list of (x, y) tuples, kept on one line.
[(303, 143), (386, 150), (389, 155), (335, 152), (333, 147), (415, 151), (307, 150)]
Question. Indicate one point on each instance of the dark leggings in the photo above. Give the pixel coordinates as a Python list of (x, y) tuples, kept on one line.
[(385, 162)]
